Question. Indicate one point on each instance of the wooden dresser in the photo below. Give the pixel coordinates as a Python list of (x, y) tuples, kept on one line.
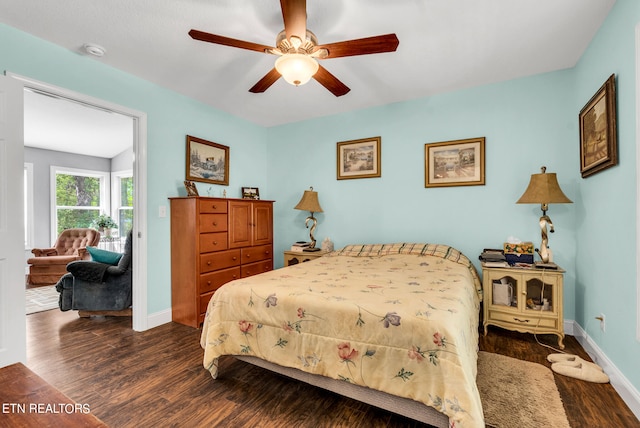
[(214, 241)]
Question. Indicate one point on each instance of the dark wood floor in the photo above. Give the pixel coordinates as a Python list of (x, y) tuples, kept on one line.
[(155, 378)]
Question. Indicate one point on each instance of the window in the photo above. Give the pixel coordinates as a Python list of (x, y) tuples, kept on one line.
[(79, 197), (122, 200)]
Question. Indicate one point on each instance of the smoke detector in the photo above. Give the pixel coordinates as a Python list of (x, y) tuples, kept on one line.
[(93, 49)]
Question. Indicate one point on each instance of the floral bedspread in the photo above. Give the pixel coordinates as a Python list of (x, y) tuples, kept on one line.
[(399, 318)]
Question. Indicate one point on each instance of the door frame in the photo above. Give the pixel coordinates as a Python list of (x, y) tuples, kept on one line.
[(139, 291)]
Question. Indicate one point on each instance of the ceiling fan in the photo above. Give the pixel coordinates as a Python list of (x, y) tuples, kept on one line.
[(298, 50)]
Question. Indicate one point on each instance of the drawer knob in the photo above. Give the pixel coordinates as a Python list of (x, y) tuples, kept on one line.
[(248, 255), (215, 242), (208, 282), (215, 223), (234, 258), (209, 263)]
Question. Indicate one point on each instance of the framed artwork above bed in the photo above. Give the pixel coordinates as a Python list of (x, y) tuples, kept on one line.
[(359, 158), (454, 163)]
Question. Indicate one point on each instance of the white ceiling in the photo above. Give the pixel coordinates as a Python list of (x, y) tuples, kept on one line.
[(445, 45)]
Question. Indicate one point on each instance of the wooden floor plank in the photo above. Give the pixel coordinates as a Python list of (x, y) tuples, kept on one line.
[(155, 378)]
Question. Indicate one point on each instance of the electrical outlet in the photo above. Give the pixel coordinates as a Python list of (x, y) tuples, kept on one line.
[(602, 323)]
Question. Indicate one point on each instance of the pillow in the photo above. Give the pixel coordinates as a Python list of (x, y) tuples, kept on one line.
[(104, 256)]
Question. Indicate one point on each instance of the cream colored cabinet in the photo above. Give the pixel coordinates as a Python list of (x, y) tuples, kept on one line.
[(528, 300)]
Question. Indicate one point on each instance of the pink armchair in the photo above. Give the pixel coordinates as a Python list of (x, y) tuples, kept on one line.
[(49, 264)]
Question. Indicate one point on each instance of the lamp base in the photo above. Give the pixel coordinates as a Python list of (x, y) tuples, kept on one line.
[(311, 250)]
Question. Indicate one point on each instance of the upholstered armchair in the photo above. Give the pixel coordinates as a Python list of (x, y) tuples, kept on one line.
[(102, 286), (49, 264)]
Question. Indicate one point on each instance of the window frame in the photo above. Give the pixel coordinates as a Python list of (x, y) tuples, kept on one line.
[(116, 201), (105, 190)]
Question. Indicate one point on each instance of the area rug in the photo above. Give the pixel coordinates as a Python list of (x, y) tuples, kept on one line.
[(41, 299), (518, 393)]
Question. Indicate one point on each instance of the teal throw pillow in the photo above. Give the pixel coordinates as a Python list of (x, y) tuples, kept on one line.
[(104, 256)]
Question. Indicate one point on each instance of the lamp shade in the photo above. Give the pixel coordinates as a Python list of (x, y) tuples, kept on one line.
[(543, 189), (296, 69), (309, 202)]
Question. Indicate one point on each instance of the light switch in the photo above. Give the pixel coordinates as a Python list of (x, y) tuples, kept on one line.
[(162, 211)]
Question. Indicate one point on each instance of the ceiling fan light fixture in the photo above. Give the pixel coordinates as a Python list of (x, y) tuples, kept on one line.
[(296, 69)]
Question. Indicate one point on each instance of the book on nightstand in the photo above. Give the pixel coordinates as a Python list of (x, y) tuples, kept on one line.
[(300, 246)]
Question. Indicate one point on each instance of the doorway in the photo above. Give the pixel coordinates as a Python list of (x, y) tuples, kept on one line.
[(138, 130)]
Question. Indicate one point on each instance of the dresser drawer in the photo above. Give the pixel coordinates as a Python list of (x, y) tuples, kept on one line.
[(213, 242), (255, 254), (213, 280), (213, 223), (213, 206), (256, 268), (219, 260), (204, 301)]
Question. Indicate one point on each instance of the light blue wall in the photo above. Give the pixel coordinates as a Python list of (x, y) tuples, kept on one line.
[(606, 211), (170, 118), (527, 123)]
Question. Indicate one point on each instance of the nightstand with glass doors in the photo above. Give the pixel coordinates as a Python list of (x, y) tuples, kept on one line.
[(524, 299)]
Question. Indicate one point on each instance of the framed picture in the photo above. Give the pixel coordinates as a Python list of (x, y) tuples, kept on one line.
[(250, 193), (359, 158), (598, 133), (191, 188), (207, 161), (454, 163)]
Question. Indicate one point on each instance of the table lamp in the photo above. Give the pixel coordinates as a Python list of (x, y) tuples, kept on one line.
[(544, 190), (309, 202)]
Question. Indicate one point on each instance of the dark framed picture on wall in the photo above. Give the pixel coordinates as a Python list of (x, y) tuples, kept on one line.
[(454, 163), (207, 161), (598, 133), (359, 158)]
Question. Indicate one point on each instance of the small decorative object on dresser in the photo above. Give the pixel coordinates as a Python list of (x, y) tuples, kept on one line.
[(250, 193), (527, 300), (192, 190), (214, 241)]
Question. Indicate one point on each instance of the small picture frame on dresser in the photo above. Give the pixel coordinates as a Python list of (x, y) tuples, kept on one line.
[(250, 193), (192, 190)]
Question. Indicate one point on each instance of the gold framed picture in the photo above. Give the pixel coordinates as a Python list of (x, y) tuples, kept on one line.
[(598, 130), (454, 163), (359, 158), (207, 161)]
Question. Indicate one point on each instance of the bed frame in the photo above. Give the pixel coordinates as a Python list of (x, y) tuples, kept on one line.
[(399, 405)]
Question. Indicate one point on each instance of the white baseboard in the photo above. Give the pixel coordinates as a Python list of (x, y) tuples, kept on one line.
[(158, 318), (620, 383)]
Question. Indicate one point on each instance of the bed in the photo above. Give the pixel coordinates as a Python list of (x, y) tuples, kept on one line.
[(394, 325)]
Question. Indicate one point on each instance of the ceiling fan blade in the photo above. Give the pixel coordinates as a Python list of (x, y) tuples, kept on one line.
[(227, 41), (264, 83), (294, 15), (366, 46), (330, 82)]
